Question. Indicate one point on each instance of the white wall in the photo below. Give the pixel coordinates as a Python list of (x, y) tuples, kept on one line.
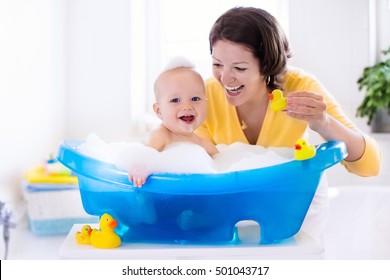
[(65, 68), (383, 24), (331, 41), (98, 69), (31, 87)]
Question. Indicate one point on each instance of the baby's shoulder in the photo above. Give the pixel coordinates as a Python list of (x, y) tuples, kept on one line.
[(158, 138)]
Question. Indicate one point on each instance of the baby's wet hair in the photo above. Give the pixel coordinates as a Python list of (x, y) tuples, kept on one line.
[(177, 62)]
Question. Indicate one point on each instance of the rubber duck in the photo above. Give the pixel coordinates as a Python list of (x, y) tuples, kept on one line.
[(105, 237), (304, 150), (278, 101), (84, 236)]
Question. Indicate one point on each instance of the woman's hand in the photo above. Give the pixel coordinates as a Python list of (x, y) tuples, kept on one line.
[(308, 106)]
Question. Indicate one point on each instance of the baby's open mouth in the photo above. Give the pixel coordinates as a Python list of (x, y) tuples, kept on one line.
[(188, 118)]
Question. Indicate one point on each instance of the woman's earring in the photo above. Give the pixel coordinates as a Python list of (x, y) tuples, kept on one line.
[(268, 79)]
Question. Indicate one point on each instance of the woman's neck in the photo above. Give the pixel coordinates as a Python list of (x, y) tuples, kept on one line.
[(251, 116)]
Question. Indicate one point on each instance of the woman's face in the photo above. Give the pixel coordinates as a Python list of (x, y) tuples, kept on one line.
[(237, 69)]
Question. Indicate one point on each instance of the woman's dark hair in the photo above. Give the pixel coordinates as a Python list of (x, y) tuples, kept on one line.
[(261, 33)]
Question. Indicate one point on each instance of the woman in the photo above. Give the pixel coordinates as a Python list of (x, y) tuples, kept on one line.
[(250, 52)]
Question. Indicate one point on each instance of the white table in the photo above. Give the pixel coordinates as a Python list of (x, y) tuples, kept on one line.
[(298, 247)]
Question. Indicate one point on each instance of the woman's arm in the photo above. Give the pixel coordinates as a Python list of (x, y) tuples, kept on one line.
[(311, 107), (364, 157)]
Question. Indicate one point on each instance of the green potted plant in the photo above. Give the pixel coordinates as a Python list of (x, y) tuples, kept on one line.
[(376, 103)]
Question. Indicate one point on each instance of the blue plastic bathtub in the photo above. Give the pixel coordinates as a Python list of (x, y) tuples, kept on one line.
[(202, 207)]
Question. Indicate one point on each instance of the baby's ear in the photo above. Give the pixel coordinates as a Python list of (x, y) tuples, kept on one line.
[(157, 110)]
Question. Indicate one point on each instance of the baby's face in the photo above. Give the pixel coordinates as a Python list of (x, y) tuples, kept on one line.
[(181, 101)]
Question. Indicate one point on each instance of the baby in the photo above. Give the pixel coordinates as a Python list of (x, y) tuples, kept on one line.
[(181, 106)]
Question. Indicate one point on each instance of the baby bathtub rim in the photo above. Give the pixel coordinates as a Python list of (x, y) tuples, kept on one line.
[(328, 154)]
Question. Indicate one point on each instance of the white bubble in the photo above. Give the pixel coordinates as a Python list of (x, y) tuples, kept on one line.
[(184, 157), (177, 62)]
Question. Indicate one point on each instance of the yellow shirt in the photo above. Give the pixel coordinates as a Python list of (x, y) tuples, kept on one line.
[(222, 125)]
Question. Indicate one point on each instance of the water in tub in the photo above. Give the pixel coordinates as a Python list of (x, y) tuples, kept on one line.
[(187, 158)]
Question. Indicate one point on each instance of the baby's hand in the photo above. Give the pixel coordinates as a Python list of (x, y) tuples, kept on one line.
[(137, 181), (138, 175)]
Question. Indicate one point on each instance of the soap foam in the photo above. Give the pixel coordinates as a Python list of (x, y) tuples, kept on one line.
[(184, 157)]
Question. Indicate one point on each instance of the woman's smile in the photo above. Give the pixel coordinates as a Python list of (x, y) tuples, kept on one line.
[(233, 91)]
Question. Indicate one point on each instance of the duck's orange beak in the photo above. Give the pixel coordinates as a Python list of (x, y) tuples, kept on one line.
[(113, 224), (270, 96), (298, 147), (89, 231)]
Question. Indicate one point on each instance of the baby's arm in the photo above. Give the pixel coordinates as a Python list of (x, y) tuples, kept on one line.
[(138, 174), (210, 148), (141, 169)]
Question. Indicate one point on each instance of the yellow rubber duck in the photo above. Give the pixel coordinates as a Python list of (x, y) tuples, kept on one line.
[(105, 237), (278, 101), (304, 150), (84, 236)]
